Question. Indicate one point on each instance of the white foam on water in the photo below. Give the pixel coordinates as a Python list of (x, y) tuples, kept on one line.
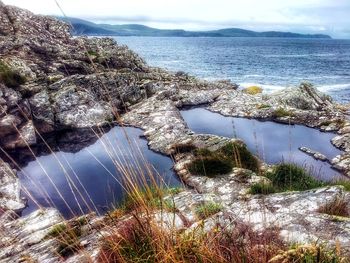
[(334, 87), (300, 55)]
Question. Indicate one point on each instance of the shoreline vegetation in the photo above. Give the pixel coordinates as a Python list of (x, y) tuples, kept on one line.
[(231, 208)]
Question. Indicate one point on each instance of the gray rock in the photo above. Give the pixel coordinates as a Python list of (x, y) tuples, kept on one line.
[(9, 190), (314, 154)]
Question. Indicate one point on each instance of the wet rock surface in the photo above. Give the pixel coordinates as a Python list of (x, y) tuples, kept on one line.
[(314, 154), (76, 83)]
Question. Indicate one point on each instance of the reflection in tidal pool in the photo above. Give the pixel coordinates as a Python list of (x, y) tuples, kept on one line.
[(92, 179), (272, 142)]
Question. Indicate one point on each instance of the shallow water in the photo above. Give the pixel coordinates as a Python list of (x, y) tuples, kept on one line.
[(93, 172), (272, 63), (272, 142)]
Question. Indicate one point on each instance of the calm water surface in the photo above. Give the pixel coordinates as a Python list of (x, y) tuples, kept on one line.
[(273, 142), (94, 173)]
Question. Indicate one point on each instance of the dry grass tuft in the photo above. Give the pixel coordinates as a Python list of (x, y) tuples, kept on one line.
[(336, 207)]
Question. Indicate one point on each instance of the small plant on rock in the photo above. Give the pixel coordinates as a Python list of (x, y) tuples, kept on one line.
[(221, 161), (183, 147), (10, 77), (308, 253), (290, 177), (240, 156), (280, 113), (262, 188), (208, 209), (210, 166), (67, 236), (263, 106)]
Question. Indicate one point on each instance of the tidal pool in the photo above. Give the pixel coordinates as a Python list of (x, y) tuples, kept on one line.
[(272, 142), (92, 179)]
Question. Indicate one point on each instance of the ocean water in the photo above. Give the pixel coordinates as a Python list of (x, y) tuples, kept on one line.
[(272, 63)]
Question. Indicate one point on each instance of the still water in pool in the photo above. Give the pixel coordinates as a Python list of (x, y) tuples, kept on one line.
[(272, 142), (92, 178)]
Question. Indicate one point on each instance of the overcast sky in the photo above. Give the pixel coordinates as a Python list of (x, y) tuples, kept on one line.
[(304, 16)]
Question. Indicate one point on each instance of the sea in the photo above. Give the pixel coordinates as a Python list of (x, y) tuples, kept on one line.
[(272, 63)]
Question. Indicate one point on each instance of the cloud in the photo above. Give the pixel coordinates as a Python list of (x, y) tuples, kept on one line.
[(314, 16)]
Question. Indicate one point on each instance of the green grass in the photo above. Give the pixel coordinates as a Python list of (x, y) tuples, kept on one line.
[(290, 177), (240, 156), (287, 177), (207, 209), (262, 188), (9, 77), (213, 163)]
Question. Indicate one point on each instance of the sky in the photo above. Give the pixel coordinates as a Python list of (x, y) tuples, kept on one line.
[(302, 16)]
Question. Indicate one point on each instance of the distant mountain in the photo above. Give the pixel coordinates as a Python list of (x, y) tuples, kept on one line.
[(83, 27)]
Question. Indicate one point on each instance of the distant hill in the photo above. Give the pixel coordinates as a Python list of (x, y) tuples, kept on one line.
[(83, 27)]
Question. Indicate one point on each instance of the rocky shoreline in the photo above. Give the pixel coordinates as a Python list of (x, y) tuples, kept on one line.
[(51, 82)]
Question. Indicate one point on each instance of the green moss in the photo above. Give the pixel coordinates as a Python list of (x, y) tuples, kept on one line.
[(280, 113), (290, 177), (262, 188), (208, 209), (263, 106), (92, 53), (10, 77)]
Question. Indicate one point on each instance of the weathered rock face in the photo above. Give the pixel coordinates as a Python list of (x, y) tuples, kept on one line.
[(9, 190), (71, 82), (41, 50)]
